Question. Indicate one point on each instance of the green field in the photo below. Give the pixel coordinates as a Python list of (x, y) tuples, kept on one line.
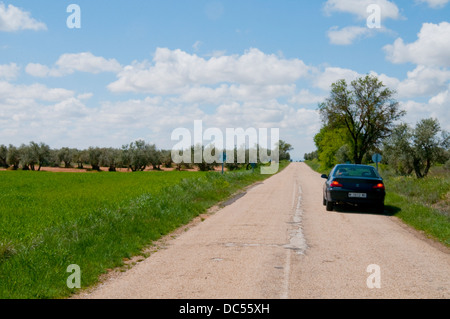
[(49, 221)]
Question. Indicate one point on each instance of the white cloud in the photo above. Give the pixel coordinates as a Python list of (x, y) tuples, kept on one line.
[(348, 35), (86, 62), (174, 72), (226, 93), (306, 97), (330, 75), (38, 92), (431, 48), (389, 10), (38, 70), (84, 96), (424, 81), (363, 10), (9, 71), (15, 19), (37, 112), (71, 62), (436, 107), (441, 99), (435, 3)]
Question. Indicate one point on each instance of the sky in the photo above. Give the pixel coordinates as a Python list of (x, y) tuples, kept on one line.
[(106, 73)]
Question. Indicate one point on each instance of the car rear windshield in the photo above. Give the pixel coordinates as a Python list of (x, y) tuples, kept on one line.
[(355, 171)]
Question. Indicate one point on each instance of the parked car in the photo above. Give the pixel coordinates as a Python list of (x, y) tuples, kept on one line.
[(354, 184)]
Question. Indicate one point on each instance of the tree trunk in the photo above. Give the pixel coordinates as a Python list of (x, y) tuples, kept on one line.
[(427, 168), (416, 164)]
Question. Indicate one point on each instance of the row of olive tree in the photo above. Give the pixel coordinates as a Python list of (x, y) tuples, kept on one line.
[(135, 156)]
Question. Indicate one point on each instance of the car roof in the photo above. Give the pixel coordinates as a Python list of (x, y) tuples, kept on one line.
[(355, 165)]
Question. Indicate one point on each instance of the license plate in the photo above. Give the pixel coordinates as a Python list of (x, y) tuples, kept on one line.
[(357, 195)]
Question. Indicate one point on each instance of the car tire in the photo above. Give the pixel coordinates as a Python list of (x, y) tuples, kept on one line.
[(324, 201), (330, 206)]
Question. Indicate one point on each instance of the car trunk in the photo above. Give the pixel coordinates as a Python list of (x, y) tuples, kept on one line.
[(358, 184)]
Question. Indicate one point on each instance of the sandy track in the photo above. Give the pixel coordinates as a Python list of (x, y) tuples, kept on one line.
[(278, 241)]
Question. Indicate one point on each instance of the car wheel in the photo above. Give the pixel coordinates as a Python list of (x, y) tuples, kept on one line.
[(330, 206), (324, 201)]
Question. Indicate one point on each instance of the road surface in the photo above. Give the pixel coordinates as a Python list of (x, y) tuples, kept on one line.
[(278, 241)]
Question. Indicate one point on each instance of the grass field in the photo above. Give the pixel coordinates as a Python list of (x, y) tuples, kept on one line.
[(424, 203), (421, 203), (49, 221)]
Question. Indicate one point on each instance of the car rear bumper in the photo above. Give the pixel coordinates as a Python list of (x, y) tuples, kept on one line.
[(342, 196)]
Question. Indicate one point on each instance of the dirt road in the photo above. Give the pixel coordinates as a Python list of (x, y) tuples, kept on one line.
[(278, 241)]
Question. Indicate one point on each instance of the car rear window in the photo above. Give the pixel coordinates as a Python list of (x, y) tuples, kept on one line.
[(355, 171)]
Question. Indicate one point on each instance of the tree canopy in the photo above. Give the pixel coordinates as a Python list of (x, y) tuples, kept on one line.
[(366, 109)]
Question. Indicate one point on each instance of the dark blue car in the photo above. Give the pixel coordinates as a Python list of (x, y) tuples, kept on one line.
[(354, 184)]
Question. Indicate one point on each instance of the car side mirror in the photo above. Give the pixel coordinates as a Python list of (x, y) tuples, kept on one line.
[(324, 176)]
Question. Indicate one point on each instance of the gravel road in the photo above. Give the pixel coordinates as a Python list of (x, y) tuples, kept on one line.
[(278, 241)]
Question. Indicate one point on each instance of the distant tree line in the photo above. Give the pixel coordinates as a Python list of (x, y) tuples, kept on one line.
[(362, 118), (136, 156)]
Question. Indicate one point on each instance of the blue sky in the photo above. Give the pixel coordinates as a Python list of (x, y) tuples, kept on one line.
[(140, 69)]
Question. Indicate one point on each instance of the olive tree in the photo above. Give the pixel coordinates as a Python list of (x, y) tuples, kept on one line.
[(66, 155), (40, 154), (3, 156), (416, 149), (13, 157)]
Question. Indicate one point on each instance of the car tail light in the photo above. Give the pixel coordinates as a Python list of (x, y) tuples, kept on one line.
[(336, 184), (379, 186)]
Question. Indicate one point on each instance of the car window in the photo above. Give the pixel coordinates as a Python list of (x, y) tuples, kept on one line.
[(355, 171)]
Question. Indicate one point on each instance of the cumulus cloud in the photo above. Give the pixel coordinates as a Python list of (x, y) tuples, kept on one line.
[(389, 10), (37, 69), (436, 107), (15, 19), (363, 10), (431, 48), (324, 79), (31, 112), (348, 35), (72, 62), (175, 71), (9, 71), (424, 81), (36, 91), (435, 3), (306, 97)]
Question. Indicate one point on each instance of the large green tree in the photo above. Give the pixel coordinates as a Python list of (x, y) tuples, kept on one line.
[(366, 108), (329, 141)]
